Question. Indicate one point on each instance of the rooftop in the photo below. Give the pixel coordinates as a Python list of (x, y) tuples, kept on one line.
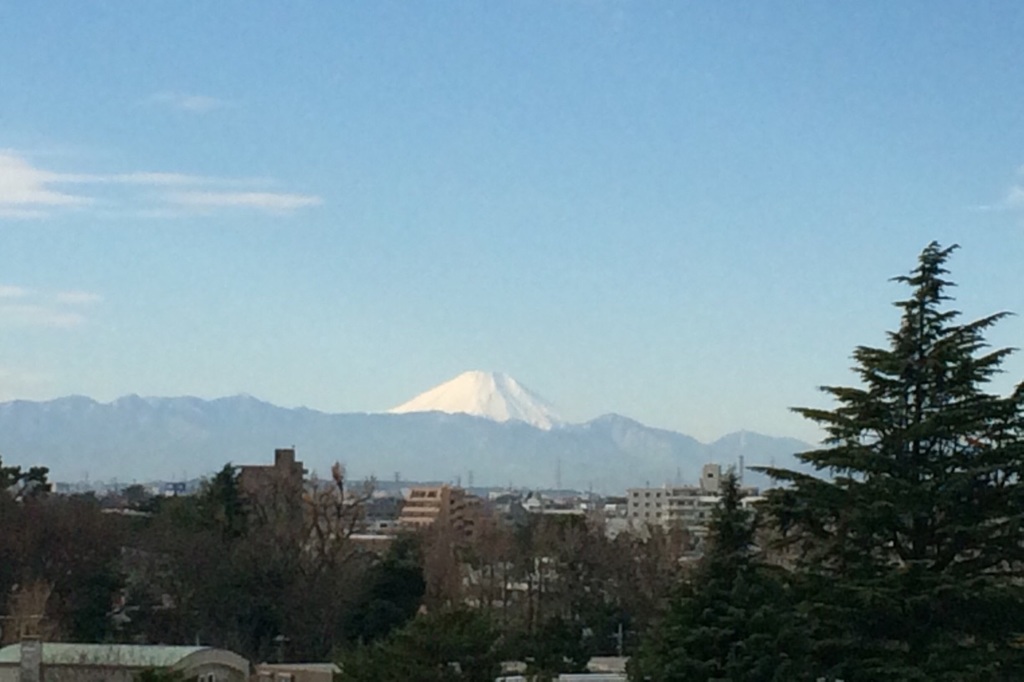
[(120, 655)]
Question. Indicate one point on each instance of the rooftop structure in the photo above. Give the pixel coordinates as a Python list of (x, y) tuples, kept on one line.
[(35, 661)]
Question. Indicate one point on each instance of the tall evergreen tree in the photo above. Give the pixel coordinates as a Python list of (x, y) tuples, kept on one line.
[(910, 541), (223, 505), (449, 645), (732, 622)]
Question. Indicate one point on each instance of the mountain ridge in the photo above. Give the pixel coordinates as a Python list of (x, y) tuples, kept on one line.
[(178, 437)]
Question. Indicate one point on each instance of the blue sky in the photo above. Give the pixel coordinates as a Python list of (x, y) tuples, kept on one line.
[(682, 212)]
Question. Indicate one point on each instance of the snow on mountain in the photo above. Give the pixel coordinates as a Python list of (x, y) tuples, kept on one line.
[(491, 395)]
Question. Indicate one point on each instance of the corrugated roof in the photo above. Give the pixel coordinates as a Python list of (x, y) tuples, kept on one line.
[(115, 655)]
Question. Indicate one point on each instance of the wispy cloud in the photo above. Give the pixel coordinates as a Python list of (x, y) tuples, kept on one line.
[(1012, 200), (197, 104), (36, 315), (23, 187), (12, 291), (24, 307), (144, 178), (77, 298), (262, 200), (1013, 197), (28, 191)]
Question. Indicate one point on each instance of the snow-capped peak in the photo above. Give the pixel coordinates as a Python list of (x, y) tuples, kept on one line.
[(492, 395)]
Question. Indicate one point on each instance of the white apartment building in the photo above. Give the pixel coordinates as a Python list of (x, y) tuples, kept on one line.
[(688, 506)]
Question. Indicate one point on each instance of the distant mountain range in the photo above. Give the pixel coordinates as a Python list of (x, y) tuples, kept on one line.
[(144, 439)]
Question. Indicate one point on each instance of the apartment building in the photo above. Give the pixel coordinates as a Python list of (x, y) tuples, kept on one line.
[(426, 505), (688, 506), (286, 474)]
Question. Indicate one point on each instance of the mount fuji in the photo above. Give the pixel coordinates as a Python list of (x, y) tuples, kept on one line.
[(491, 395)]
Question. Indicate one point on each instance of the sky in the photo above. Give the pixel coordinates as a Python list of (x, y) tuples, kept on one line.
[(684, 212)]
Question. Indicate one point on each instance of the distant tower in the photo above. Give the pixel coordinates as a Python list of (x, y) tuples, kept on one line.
[(398, 477), (469, 479)]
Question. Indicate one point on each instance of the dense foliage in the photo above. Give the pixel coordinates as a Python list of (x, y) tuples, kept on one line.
[(244, 572), (449, 645), (734, 621), (910, 549)]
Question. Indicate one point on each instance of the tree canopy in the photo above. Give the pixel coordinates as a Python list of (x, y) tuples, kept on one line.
[(733, 620), (909, 538)]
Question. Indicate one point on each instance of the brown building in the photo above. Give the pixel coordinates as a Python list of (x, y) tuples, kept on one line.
[(275, 491), (285, 473), (427, 505)]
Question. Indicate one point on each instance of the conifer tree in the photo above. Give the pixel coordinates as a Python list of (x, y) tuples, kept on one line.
[(449, 645), (910, 537), (732, 622)]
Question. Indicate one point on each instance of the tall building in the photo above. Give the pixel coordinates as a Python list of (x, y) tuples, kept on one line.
[(285, 473), (275, 490), (427, 505)]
